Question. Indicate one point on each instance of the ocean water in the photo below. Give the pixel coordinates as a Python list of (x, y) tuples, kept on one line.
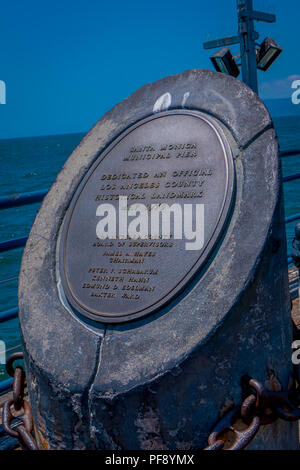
[(32, 163)]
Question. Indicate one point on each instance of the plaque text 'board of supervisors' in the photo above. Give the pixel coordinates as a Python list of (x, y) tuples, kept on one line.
[(173, 157)]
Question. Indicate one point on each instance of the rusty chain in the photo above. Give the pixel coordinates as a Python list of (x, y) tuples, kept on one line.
[(23, 430), (259, 408)]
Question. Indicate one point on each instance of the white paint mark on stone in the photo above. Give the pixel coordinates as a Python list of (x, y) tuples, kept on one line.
[(162, 103), (184, 99)]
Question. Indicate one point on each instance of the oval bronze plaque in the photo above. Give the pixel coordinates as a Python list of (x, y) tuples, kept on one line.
[(176, 157)]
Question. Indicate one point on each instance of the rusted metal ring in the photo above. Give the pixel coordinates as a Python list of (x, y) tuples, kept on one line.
[(26, 438), (18, 388), (292, 414), (10, 361), (260, 390), (27, 417), (248, 408), (7, 417), (224, 425), (242, 438)]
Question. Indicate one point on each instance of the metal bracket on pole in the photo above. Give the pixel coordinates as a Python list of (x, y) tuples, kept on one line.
[(221, 42), (258, 15)]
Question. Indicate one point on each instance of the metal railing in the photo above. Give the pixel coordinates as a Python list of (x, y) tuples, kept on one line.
[(7, 202), (285, 179)]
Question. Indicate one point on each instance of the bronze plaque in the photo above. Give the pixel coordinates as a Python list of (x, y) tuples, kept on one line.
[(177, 163)]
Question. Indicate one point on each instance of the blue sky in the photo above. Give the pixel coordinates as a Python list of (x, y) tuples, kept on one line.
[(65, 63)]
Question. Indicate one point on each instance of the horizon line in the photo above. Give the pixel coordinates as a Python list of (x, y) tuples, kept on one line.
[(85, 132)]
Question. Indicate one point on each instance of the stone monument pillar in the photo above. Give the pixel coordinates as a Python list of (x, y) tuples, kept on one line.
[(139, 340)]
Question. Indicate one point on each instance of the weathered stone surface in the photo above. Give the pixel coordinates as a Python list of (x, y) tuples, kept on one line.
[(160, 382)]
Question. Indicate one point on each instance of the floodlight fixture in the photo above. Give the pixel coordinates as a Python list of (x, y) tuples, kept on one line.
[(224, 62), (267, 53)]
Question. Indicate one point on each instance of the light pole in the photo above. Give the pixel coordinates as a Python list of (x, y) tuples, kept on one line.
[(246, 37)]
